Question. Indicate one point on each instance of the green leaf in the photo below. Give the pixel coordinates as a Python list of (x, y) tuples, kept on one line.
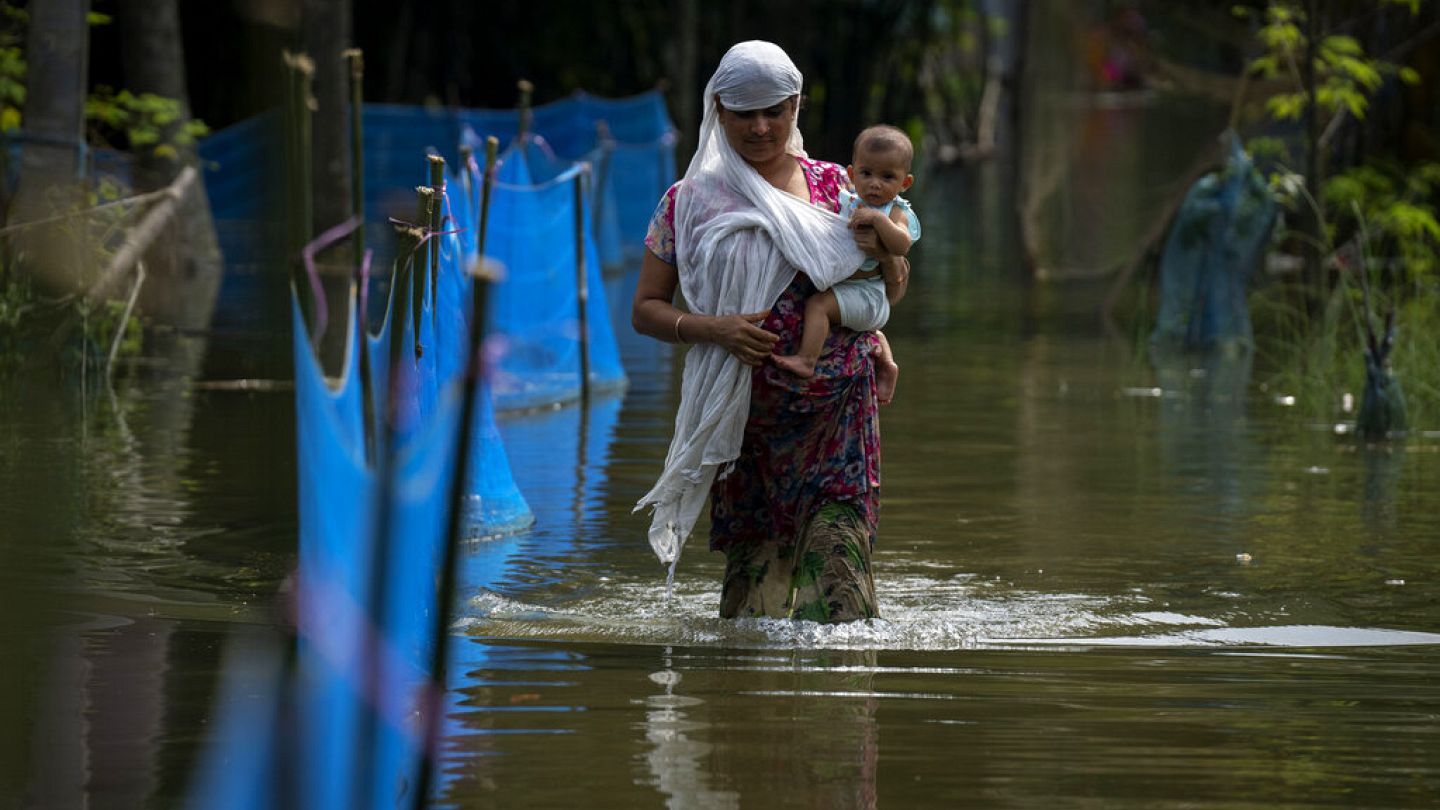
[(1341, 45), (1287, 106)]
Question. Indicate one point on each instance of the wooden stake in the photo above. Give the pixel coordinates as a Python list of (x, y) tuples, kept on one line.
[(433, 708), (526, 115), (356, 59), (437, 215), (582, 290), (425, 207)]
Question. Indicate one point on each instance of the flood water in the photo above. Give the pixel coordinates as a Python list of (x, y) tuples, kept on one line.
[(1104, 584)]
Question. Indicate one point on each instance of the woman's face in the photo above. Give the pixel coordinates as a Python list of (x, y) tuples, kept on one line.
[(759, 136)]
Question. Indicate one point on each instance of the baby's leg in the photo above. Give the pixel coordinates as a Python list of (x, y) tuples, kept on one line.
[(821, 310), (887, 371)]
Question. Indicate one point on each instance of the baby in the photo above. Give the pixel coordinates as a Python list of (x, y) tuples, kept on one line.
[(879, 170)]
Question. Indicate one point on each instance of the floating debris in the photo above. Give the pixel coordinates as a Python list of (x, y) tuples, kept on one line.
[(1144, 392), (1243, 558), (1347, 403), (1285, 400), (1394, 582), (1318, 470)]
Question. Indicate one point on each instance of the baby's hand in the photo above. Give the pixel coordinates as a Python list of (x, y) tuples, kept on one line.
[(863, 217)]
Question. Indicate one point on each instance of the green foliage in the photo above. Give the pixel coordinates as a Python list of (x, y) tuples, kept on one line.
[(1391, 207), (12, 87), (1345, 76), (144, 121)]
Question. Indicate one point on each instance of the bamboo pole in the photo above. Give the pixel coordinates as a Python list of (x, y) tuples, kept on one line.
[(302, 104), (527, 115), (466, 187), (582, 290), (437, 214), (481, 278), (356, 59), (492, 151), (300, 217), (408, 238), (425, 206)]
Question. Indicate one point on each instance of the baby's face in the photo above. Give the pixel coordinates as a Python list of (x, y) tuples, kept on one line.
[(879, 175)]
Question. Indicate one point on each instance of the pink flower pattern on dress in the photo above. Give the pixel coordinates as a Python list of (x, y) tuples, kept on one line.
[(807, 443)]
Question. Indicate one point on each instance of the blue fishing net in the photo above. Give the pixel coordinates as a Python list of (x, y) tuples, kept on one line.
[(336, 492), (537, 315), (372, 536), (1210, 256), (630, 143)]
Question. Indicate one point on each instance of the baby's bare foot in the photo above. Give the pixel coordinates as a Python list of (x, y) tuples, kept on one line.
[(887, 372), (800, 366)]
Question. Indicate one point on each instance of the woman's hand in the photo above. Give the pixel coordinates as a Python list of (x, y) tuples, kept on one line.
[(653, 314), (742, 336)]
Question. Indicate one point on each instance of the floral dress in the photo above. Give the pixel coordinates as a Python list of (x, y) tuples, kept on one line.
[(797, 514)]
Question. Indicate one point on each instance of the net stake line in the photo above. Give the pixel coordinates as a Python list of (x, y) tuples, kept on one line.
[(430, 721)]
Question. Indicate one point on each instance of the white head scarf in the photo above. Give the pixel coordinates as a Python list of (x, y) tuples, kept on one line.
[(738, 243)]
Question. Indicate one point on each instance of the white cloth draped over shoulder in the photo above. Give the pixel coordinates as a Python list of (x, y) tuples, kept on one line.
[(738, 244)]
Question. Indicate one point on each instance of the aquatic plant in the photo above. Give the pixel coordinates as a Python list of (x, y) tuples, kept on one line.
[(1367, 233)]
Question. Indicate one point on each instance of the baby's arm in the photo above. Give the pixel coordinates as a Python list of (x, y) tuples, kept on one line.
[(892, 231)]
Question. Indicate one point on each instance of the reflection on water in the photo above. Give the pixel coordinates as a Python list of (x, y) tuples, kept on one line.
[(679, 754)]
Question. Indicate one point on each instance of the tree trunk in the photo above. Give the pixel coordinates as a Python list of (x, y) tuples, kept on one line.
[(325, 35), (184, 267), (52, 163)]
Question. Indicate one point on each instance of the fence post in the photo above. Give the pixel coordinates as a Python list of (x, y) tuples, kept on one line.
[(582, 289), (437, 216)]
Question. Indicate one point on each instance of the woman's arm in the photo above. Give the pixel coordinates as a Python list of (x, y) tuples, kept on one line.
[(653, 313)]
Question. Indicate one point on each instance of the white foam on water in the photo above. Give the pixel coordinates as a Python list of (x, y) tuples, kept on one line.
[(921, 612), (1284, 636)]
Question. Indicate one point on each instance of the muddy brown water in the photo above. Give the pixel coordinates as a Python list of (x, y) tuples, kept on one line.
[(1103, 585)]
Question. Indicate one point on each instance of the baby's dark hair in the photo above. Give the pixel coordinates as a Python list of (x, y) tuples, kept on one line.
[(883, 139)]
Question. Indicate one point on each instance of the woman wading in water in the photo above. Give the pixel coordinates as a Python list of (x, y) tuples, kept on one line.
[(792, 465)]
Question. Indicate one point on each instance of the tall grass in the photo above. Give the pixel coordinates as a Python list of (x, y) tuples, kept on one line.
[(1320, 360)]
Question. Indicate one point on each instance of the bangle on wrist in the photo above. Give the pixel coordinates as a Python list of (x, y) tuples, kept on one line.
[(678, 319)]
